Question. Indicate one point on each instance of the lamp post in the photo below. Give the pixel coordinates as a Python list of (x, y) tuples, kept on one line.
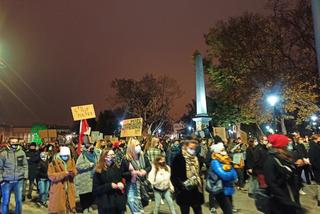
[(273, 100), (314, 119)]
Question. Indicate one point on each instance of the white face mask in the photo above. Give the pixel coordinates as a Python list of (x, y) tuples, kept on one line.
[(191, 151), (137, 149), (223, 153)]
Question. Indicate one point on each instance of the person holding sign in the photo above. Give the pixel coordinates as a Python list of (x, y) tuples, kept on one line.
[(135, 166)]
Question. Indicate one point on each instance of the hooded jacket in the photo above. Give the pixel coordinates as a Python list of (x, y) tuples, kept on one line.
[(13, 165)]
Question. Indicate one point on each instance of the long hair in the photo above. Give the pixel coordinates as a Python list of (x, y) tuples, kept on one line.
[(101, 165), (157, 165), (131, 154)]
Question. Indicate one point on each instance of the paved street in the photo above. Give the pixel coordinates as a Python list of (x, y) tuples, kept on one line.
[(242, 202)]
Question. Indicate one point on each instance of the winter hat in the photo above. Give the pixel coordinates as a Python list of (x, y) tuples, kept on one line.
[(278, 140), (64, 151), (217, 148), (32, 144), (116, 144)]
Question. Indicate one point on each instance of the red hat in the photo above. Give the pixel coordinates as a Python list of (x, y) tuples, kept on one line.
[(116, 144), (278, 140)]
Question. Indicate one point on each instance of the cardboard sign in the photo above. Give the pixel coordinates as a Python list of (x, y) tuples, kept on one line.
[(221, 132), (244, 137), (132, 127), (48, 133), (95, 136), (83, 112)]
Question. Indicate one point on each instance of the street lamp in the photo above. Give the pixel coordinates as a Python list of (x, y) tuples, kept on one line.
[(273, 100), (314, 118)]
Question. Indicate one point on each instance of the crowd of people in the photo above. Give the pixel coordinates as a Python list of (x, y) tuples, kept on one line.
[(128, 174)]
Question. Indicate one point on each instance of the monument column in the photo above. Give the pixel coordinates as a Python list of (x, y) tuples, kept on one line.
[(201, 118)]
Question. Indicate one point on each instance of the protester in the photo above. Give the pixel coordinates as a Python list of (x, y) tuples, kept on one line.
[(221, 178), (33, 157), (249, 166), (135, 166), (173, 152), (280, 175), (302, 154), (186, 179), (109, 185), (153, 150), (44, 182), (314, 154), (85, 167), (61, 172), (119, 151), (237, 150), (159, 177), (13, 172)]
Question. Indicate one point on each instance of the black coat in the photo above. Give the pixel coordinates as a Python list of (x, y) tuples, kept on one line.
[(43, 169), (260, 154), (178, 176), (282, 185), (314, 154), (106, 196), (301, 151), (249, 157), (33, 157)]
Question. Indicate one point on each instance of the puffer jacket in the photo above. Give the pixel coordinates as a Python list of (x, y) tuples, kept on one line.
[(83, 180), (228, 177), (13, 165)]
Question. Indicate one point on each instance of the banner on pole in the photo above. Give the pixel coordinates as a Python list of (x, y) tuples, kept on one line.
[(83, 112), (131, 127)]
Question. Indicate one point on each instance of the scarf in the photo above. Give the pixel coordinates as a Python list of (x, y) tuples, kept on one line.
[(224, 159), (91, 156), (192, 168)]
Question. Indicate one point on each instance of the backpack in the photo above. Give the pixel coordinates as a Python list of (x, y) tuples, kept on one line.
[(214, 184)]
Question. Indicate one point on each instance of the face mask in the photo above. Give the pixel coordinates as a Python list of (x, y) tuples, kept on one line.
[(64, 158), (14, 146), (43, 158), (138, 149), (50, 148), (223, 153), (109, 161), (191, 151), (290, 147)]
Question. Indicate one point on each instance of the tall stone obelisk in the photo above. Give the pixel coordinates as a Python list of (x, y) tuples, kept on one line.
[(202, 119)]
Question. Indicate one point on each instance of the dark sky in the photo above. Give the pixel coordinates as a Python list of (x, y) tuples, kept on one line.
[(68, 52)]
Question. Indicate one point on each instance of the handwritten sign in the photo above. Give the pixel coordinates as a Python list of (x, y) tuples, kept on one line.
[(131, 127), (83, 112)]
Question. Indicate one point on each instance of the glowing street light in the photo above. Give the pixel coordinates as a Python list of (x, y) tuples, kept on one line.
[(190, 128), (121, 123), (273, 100), (314, 118), (159, 131)]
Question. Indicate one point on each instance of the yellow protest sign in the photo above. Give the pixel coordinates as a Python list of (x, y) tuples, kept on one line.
[(83, 112), (131, 127)]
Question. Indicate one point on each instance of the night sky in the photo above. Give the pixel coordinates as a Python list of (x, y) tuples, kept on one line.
[(63, 53)]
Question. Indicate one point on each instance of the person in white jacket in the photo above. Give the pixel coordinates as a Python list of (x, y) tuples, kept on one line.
[(159, 177)]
